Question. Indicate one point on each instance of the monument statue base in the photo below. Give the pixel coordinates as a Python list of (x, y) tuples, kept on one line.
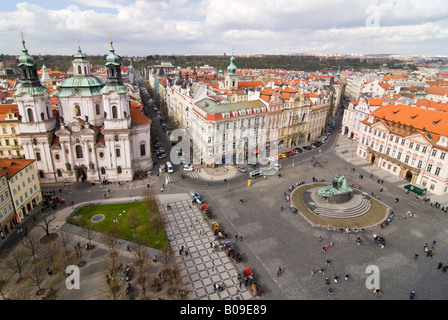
[(337, 192), (335, 198)]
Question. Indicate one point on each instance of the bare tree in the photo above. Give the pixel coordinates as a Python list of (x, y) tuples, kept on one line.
[(141, 262), (36, 276), (19, 291), (47, 219), (110, 238), (150, 200), (133, 220), (18, 260), (32, 242), (114, 285), (157, 223), (66, 238), (89, 233), (3, 283), (51, 252)]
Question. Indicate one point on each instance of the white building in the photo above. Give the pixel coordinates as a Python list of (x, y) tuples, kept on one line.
[(98, 133), (409, 142)]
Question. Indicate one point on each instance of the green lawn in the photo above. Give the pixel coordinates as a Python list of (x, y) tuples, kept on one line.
[(376, 214), (144, 233)]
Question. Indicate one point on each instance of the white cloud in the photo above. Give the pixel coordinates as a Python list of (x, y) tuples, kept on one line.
[(141, 27)]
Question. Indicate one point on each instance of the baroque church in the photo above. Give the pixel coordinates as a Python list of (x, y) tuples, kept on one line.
[(96, 133)]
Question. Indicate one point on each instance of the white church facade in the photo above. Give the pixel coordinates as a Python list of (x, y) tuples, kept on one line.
[(97, 133)]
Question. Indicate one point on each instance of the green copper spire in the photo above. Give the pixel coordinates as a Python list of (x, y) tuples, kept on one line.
[(29, 80), (231, 69)]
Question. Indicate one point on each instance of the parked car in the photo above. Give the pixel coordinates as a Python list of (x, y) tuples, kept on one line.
[(297, 149), (307, 147), (242, 169), (169, 167), (253, 165), (187, 167)]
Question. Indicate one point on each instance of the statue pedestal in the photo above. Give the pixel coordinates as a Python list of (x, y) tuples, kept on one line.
[(337, 192), (335, 198)]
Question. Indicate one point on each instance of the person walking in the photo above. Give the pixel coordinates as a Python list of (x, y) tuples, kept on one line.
[(279, 271), (412, 295)]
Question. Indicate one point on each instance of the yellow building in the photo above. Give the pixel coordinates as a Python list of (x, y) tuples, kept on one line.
[(7, 213), (24, 187), (294, 121), (10, 143)]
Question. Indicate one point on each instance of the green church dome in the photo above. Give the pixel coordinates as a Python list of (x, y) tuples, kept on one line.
[(83, 85)]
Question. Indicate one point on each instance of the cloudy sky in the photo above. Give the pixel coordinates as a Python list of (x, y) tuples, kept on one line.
[(144, 27)]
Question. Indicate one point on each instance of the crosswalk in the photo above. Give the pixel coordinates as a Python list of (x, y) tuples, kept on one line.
[(170, 178)]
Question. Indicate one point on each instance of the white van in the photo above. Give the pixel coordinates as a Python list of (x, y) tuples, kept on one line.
[(169, 167)]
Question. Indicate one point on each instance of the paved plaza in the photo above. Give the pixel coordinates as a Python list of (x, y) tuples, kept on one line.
[(201, 265), (276, 238)]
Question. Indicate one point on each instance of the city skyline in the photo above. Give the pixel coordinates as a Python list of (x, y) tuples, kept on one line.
[(183, 27)]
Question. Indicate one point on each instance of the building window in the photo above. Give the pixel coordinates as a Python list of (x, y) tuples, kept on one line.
[(117, 153), (78, 152), (437, 172), (114, 112), (38, 156), (442, 155), (29, 113), (59, 172), (119, 170), (41, 175), (103, 170), (97, 109), (406, 160), (434, 152), (420, 164), (429, 168), (424, 149), (77, 111), (142, 150)]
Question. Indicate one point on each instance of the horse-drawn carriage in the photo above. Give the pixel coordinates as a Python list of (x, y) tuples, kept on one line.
[(196, 198), (218, 231), (249, 279), (206, 210), (232, 252)]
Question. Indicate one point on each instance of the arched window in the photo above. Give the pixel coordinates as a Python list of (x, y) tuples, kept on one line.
[(119, 170), (103, 170), (59, 173), (41, 174), (97, 109), (79, 70), (29, 112), (77, 111), (114, 112), (78, 152)]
